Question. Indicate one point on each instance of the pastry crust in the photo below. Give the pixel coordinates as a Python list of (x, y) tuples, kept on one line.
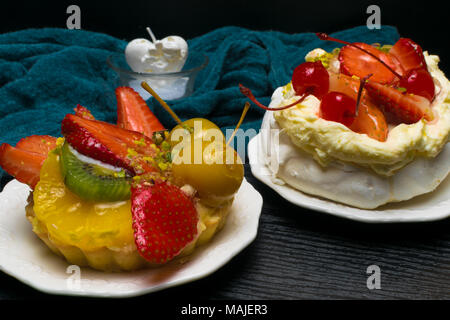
[(127, 258)]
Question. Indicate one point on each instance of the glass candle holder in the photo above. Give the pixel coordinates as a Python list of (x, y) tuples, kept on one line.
[(168, 85)]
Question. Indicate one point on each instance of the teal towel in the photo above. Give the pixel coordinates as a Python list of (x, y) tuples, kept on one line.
[(45, 73)]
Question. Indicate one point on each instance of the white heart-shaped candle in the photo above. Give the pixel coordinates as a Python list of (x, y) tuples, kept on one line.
[(166, 55)]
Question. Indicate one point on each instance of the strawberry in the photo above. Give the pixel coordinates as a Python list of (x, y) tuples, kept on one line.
[(406, 108), (108, 143), (37, 144), (164, 220), (83, 112), (358, 63), (370, 120), (409, 54), (134, 114), (24, 165)]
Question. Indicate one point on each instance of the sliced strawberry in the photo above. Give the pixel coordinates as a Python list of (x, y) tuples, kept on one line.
[(83, 112), (37, 144), (409, 54), (370, 119), (164, 221), (406, 108), (134, 114), (108, 143), (358, 63), (25, 166)]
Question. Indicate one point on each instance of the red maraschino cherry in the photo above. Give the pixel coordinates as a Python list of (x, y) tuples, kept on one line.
[(419, 82), (416, 81), (339, 107), (309, 78)]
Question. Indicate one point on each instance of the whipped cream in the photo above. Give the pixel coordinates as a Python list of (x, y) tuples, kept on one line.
[(327, 141)]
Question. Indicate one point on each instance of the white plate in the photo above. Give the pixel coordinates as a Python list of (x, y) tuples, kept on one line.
[(428, 207), (24, 256)]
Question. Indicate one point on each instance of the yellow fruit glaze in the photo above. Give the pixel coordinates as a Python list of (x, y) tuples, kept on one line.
[(73, 221), (99, 235), (328, 141)]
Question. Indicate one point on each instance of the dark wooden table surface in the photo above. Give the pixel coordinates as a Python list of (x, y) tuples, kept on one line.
[(301, 254)]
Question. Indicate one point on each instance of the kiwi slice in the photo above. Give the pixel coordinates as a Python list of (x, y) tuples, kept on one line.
[(92, 182)]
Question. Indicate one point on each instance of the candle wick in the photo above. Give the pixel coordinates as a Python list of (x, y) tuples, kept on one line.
[(151, 35)]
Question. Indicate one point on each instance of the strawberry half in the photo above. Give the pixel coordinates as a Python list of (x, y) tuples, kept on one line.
[(409, 54), (25, 166), (134, 114), (358, 63), (83, 112), (406, 108), (37, 144), (164, 221), (108, 143)]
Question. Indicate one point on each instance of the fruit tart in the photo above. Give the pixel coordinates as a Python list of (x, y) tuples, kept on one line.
[(363, 125), (115, 197)]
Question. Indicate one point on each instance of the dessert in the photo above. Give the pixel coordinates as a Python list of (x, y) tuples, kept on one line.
[(363, 125), (115, 196)]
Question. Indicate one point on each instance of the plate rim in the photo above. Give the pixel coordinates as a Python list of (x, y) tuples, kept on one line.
[(279, 189), (251, 236)]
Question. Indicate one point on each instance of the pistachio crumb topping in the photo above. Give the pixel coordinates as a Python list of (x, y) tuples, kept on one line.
[(131, 153), (322, 56), (140, 142)]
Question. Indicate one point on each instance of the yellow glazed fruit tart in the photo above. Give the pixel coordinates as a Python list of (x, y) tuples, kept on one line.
[(117, 197)]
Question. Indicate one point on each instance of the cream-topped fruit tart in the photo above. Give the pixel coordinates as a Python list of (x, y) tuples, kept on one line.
[(115, 197), (362, 125)]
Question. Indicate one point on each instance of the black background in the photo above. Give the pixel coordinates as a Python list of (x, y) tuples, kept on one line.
[(424, 21), (298, 253)]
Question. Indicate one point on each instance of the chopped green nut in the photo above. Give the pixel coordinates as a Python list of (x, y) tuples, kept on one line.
[(325, 58), (386, 48), (120, 174), (159, 136), (163, 166), (131, 153), (165, 146), (140, 142)]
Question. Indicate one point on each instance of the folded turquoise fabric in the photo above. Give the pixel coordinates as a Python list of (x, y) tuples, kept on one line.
[(45, 73)]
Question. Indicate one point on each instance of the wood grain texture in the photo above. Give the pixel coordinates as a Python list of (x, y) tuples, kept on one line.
[(301, 254)]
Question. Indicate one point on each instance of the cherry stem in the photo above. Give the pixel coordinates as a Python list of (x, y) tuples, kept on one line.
[(248, 93), (161, 101), (326, 37), (244, 112), (362, 83)]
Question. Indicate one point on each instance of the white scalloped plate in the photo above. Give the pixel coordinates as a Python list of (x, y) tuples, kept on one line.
[(25, 257), (427, 207)]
